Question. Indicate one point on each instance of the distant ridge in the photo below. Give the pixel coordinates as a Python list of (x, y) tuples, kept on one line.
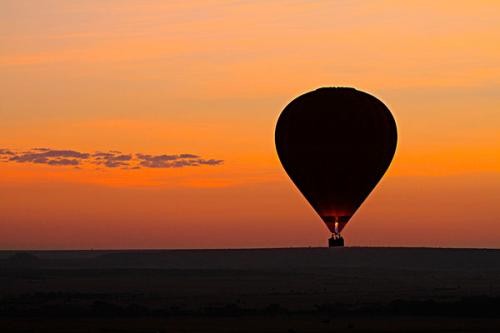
[(278, 258)]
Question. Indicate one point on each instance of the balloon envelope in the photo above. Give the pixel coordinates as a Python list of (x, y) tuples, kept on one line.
[(336, 144)]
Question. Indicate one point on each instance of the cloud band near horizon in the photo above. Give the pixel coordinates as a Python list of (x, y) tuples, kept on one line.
[(110, 159)]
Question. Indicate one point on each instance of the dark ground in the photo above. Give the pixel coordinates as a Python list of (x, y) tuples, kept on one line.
[(268, 290)]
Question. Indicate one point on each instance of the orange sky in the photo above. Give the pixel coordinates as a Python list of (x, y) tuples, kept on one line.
[(210, 78)]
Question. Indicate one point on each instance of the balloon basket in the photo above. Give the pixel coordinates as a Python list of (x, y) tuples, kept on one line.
[(336, 241)]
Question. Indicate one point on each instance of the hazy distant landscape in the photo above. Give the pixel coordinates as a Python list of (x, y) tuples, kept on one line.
[(277, 290)]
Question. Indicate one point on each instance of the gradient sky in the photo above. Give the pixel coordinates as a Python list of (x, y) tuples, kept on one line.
[(209, 78)]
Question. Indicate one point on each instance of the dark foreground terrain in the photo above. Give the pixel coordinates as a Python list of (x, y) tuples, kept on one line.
[(268, 290)]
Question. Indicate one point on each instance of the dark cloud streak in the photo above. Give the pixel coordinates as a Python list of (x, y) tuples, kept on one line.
[(47, 155), (111, 159), (63, 161), (174, 161)]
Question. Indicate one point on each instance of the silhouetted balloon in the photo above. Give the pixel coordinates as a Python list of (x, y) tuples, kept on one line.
[(336, 144)]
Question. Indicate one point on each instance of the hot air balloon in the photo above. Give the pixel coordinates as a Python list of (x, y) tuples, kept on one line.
[(336, 144)]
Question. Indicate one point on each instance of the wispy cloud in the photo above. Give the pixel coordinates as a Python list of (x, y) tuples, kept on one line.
[(51, 157), (109, 159), (174, 161), (112, 159)]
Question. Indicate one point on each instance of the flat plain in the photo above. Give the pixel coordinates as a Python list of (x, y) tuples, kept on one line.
[(266, 290)]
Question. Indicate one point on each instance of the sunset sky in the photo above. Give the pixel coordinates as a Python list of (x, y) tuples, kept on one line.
[(150, 124)]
